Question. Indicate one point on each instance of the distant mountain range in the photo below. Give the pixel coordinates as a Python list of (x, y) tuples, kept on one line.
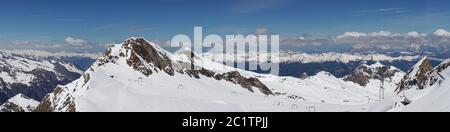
[(138, 75), (296, 64), (35, 76)]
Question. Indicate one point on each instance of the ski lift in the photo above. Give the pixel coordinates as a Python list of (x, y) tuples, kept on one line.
[(381, 91), (311, 109), (140, 80), (180, 86)]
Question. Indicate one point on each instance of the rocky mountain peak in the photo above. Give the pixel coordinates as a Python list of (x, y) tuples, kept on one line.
[(363, 73), (417, 75), (143, 53)]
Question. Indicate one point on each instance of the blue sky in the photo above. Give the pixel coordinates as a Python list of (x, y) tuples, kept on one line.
[(104, 21)]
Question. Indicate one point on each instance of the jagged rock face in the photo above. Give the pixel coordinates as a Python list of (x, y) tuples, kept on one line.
[(47, 104), (423, 70), (236, 78), (148, 58), (442, 66), (10, 107), (233, 76), (142, 52), (417, 76), (435, 76), (364, 73), (141, 49)]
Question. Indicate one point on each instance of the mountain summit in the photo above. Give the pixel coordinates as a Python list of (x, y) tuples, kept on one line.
[(139, 64), (416, 76), (364, 73), (138, 75)]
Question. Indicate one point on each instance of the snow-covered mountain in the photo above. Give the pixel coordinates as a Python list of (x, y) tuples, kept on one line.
[(140, 76), (293, 57), (295, 64), (425, 88), (34, 76), (416, 77), (376, 75), (19, 103)]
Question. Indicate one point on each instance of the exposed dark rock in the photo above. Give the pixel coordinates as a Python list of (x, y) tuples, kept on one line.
[(364, 73), (47, 106), (142, 53), (435, 75), (10, 107), (234, 77), (417, 76)]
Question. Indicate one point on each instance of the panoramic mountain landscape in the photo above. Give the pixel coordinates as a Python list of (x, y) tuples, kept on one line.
[(225, 56), (138, 75)]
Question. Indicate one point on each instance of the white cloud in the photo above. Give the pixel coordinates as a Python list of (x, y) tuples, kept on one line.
[(384, 34), (442, 33), (415, 34), (74, 41), (373, 34), (301, 38), (352, 35), (384, 11)]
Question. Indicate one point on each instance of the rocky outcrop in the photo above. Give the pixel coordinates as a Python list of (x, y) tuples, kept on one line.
[(143, 53), (234, 77), (417, 76), (50, 102), (435, 75), (364, 73)]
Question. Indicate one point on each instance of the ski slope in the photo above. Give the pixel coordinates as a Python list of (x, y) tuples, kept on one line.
[(115, 86)]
